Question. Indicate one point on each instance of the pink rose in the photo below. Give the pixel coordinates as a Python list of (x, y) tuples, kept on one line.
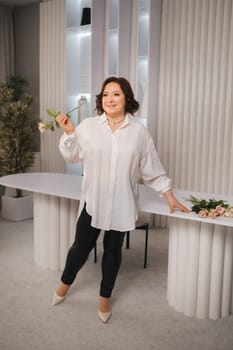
[(220, 210), (203, 213), (229, 212), (212, 214), (41, 127)]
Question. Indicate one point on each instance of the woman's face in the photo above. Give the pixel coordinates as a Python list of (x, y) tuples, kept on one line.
[(113, 100)]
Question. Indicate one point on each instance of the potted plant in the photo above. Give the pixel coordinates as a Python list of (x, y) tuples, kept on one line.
[(17, 131)]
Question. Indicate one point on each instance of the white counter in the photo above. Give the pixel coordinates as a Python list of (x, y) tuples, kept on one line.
[(200, 262)]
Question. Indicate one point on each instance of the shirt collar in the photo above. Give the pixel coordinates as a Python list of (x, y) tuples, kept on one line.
[(103, 119)]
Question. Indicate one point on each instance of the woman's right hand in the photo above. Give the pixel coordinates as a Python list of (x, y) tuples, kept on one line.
[(65, 123)]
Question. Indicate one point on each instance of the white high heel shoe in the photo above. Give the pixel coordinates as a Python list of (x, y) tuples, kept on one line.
[(104, 316), (57, 299)]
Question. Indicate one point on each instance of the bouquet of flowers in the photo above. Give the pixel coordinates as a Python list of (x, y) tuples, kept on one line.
[(210, 208)]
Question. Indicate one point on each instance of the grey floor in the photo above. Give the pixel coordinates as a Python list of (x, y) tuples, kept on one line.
[(141, 319)]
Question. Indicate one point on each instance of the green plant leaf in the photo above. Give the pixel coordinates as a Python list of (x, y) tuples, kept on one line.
[(52, 112)]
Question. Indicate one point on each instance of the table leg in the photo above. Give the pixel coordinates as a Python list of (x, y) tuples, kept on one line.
[(200, 271), (227, 290), (54, 227)]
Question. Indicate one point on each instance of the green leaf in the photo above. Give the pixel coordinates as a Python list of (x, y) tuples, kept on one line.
[(52, 113)]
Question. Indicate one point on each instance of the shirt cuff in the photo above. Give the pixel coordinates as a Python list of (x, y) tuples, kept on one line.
[(161, 194), (68, 139)]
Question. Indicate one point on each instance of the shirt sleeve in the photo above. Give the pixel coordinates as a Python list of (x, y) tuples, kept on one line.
[(151, 170), (70, 148)]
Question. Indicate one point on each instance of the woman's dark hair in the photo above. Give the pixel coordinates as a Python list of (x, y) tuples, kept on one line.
[(131, 105)]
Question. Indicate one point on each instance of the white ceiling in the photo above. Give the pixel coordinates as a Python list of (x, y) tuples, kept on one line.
[(17, 2)]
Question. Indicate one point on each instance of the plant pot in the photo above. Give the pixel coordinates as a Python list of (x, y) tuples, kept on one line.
[(2, 191), (17, 209)]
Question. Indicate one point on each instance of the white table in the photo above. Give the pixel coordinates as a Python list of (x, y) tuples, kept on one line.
[(200, 260)]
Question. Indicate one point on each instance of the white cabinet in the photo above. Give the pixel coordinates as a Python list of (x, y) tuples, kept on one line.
[(122, 39), (78, 62), (127, 46), (145, 47), (78, 56), (143, 18), (112, 37)]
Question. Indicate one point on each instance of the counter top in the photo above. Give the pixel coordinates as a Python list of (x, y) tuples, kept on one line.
[(69, 186)]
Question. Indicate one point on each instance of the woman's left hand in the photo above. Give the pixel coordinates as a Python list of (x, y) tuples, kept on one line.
[(173, 203)]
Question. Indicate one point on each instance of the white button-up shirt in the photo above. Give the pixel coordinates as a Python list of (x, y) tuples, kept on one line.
[(113, 164)]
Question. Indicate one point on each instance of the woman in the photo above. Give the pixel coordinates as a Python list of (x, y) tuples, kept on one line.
[(116, 151)]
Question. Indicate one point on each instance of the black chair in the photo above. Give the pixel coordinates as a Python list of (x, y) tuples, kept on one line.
[(141, 224)]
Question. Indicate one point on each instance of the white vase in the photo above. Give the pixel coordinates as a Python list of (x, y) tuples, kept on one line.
[(17, 209)]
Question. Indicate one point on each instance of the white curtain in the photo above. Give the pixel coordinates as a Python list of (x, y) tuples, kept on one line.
[(52, 78), (6, 44), (195, 123)]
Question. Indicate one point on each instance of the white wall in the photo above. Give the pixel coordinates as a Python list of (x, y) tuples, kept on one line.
[(195, 118), (6, 43), (52, 78), (193, 114), (26, 43)]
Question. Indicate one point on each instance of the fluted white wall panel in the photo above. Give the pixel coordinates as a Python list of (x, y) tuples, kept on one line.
[(52, 77), (195, 124)]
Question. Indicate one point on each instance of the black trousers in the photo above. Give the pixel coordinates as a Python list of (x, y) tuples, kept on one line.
[(85, 239)]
